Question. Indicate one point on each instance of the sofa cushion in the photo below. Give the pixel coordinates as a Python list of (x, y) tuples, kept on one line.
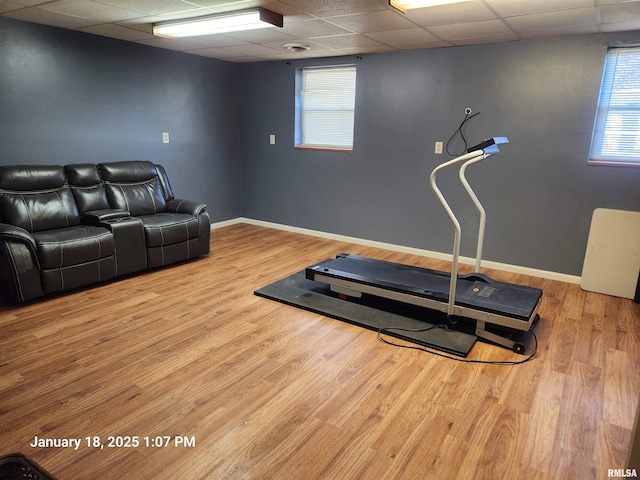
[(178, 252), (86, 186), (31, 177), (133, 186), (36, 198), (168, 228), (130, 171), (82, 174), (64, 247)]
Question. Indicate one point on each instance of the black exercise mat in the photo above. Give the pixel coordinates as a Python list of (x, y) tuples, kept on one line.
[(373, 313)]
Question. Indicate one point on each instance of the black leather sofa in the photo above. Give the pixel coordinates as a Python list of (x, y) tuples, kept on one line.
[(67, 227)]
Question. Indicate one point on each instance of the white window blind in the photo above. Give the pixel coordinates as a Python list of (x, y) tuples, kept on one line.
[(325, 107), (616, 134)]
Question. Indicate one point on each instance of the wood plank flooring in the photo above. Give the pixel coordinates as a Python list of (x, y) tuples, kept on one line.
[(260, 390)]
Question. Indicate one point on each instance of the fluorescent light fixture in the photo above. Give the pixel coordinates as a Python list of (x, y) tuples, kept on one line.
[(404, 5), (218, 23)]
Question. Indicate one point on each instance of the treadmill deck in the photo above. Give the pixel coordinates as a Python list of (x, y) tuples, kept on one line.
[(473, 292)]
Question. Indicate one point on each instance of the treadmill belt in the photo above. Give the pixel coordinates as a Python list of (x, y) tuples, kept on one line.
[(394, 276), (501, 298)]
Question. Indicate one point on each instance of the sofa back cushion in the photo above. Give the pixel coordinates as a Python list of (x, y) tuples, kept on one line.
[(164, 181), (133, 186), (86, 186), (36, 198)]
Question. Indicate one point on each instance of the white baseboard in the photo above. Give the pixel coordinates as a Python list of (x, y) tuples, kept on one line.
[(505, 267), (226, 223)]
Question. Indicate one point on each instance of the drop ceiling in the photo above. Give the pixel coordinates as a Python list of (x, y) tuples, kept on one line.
[(333, 27)]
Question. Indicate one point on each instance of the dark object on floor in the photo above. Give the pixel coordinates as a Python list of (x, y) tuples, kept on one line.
[(372, 313), (16, 466)]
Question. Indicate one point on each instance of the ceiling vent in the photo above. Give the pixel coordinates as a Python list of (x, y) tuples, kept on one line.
[(296, 47)]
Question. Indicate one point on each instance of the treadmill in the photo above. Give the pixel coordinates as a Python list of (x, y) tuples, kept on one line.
[(503, 312)]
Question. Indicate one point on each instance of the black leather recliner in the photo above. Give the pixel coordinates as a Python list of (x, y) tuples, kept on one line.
[(68, 227)]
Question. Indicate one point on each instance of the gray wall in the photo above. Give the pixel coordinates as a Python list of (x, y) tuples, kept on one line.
[(539, 191), (68, 97)]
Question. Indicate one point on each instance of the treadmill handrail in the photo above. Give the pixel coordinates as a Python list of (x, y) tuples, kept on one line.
[(471, 156), (476, 202)]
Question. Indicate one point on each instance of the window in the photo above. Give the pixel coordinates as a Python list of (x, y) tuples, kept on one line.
[(616, 134), (325, 107)]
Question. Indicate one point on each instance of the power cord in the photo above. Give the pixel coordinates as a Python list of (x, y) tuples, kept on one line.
[(467, 116), (440, 354)]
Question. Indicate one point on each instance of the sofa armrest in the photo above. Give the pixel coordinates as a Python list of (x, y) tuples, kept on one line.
[(19, 265), (185, 206), (11, 232), (95, 217)]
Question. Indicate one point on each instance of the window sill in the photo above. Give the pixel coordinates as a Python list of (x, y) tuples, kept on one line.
[(324, 149), (613, 163)]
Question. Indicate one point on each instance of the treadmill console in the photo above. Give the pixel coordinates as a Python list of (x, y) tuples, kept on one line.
[(490, 145)]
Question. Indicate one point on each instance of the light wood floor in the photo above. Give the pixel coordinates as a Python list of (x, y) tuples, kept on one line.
[(268, 391)]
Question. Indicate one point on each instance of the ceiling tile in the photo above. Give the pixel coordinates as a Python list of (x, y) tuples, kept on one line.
[(30, 3), (509, 8), (146, 7), (291, 12), (454, 13), (421, 45), (287, 55), (215, 41), (137, 24), (9, 6), (38, 15), (195, 11), (557, 32), (336, 27), (313, 28), (337, 7), (228, 4), (554, 20), (97, 12), (622, 27), (620, 12), (459, 31), (313, 50), (169, 44), (264, 35), (378, 21), (403, 37), (116, 31), (243, 50), (359, 50), (507, 37), (346, 41), (245, 59), (212, 52)]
